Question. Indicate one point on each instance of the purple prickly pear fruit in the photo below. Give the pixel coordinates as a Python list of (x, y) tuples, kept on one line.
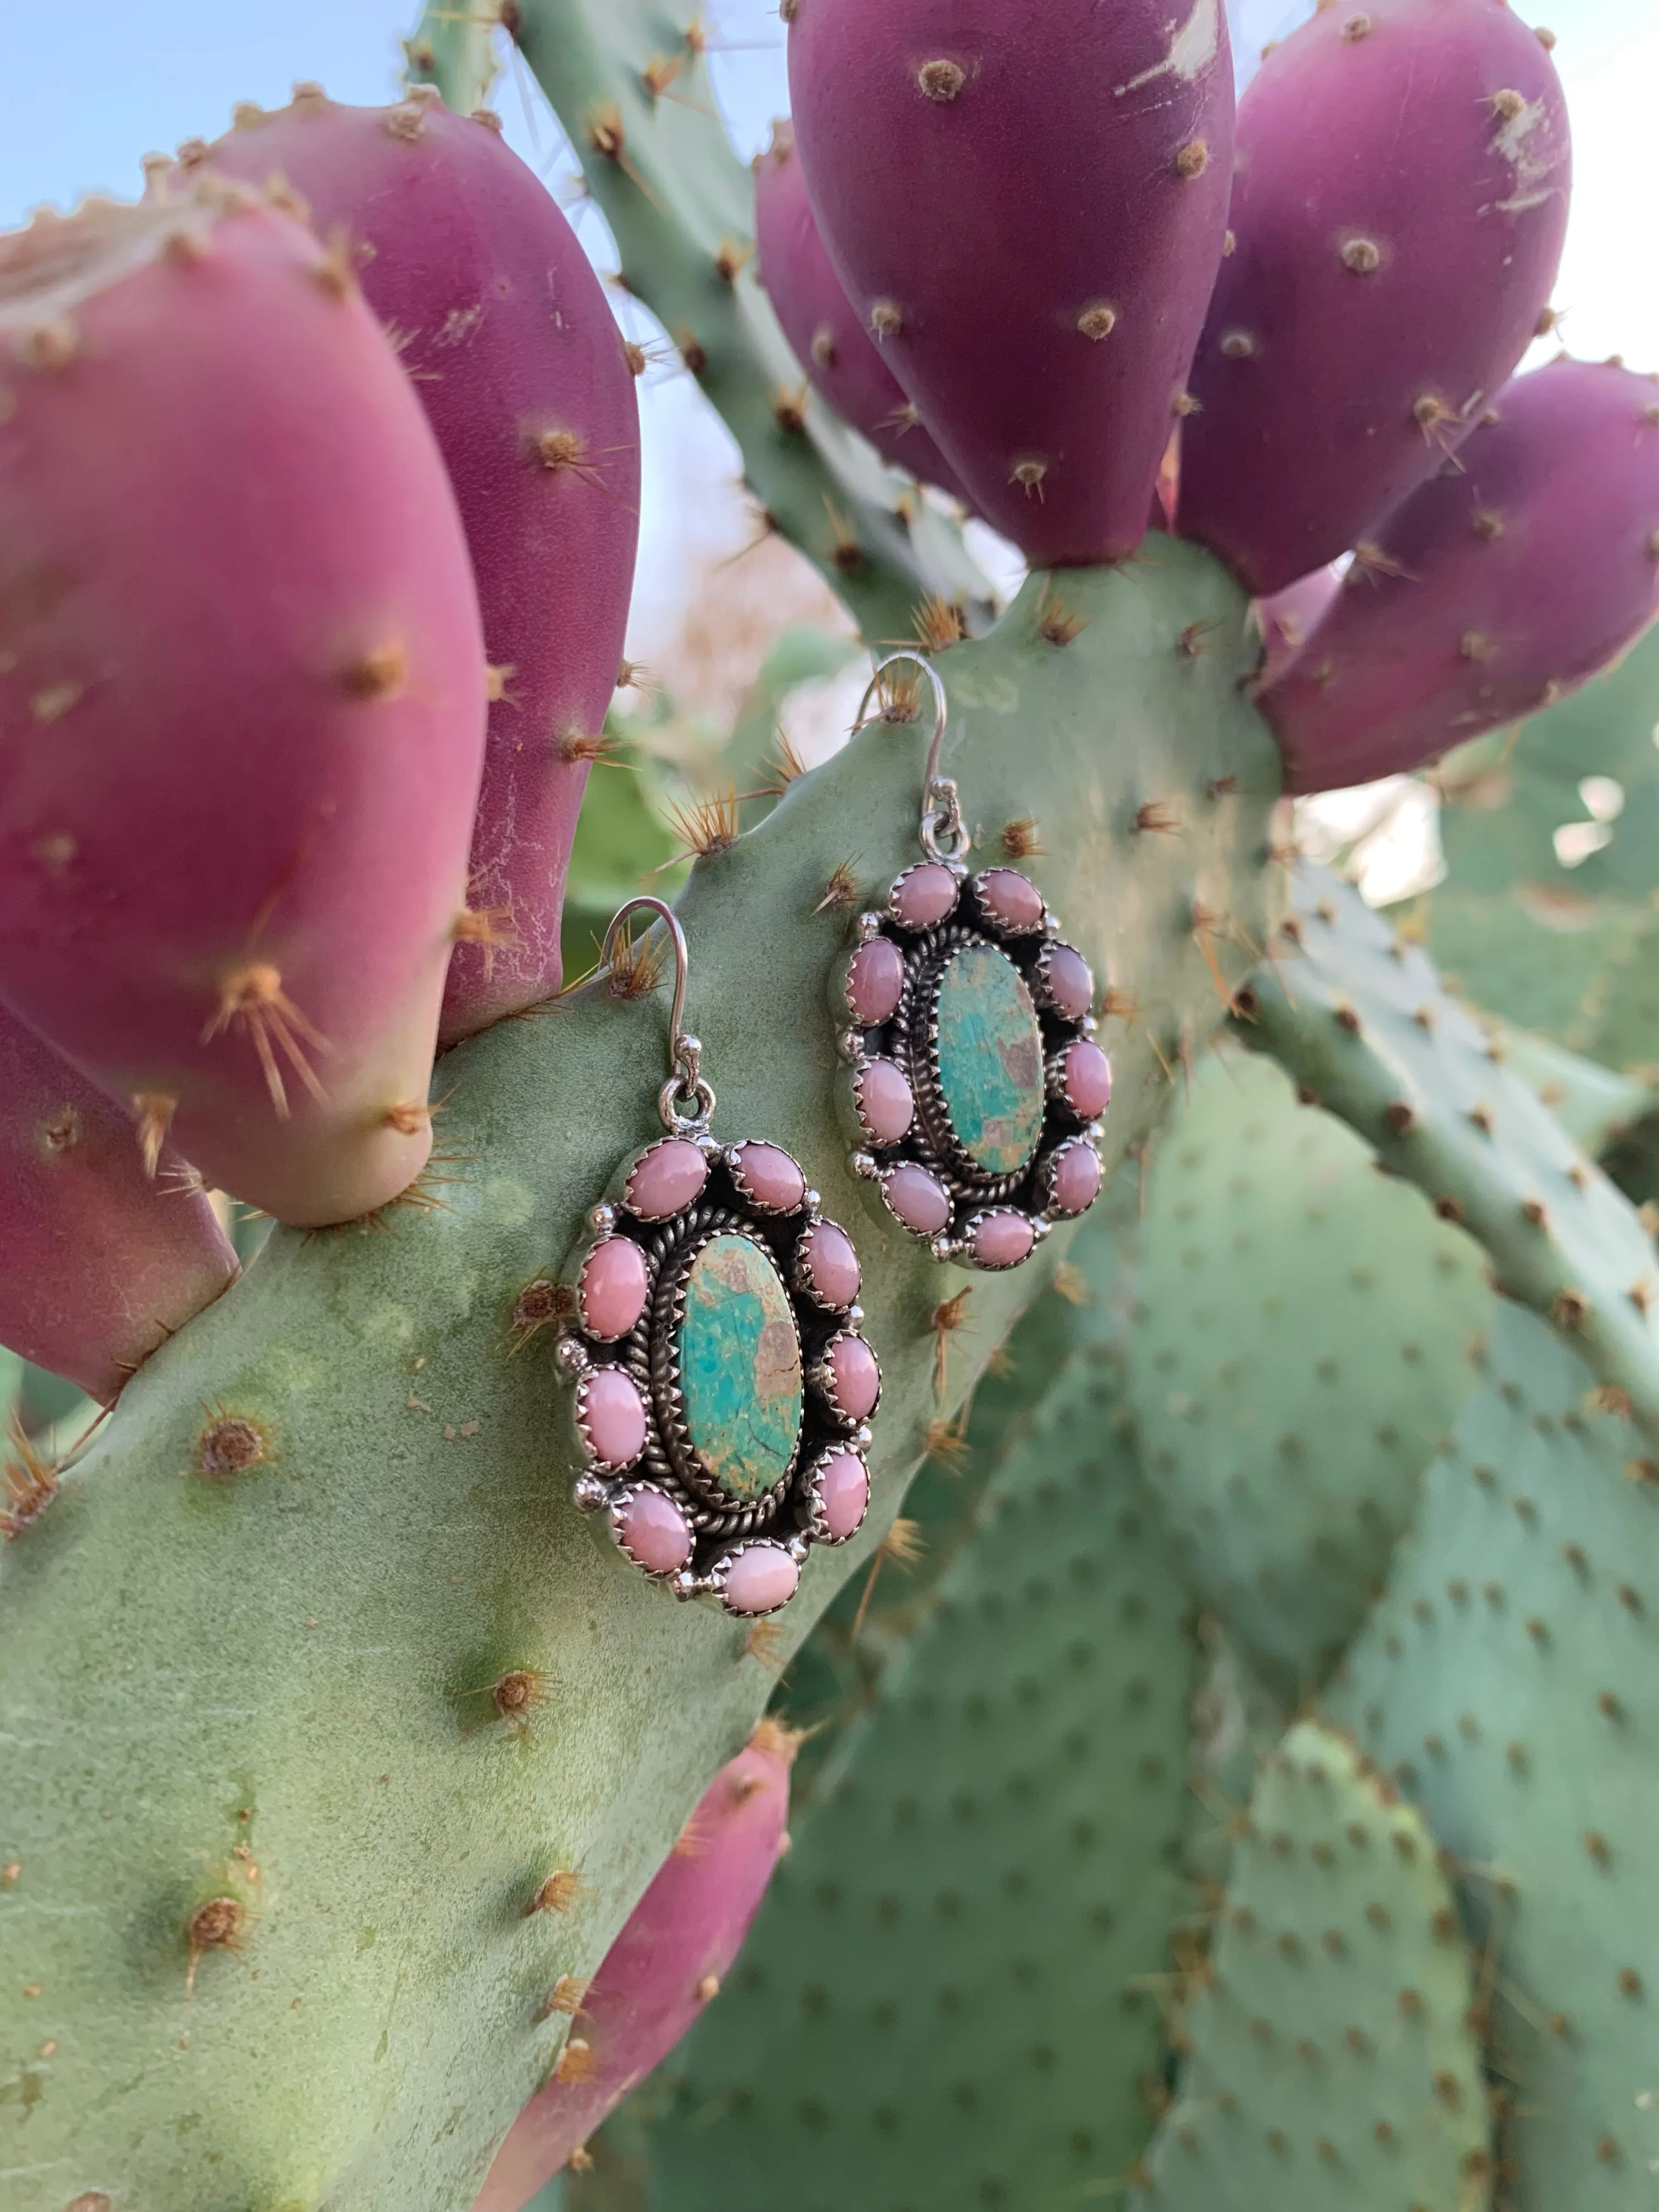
[(104, 1257), (242, 688), (1530, 561), (1398, 211), (832, 344), (508, 336), (1289, 617), (661, 1972), (1026, 201)]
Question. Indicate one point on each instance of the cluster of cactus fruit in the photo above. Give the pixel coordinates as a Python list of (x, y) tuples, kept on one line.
[(1223, 1760)]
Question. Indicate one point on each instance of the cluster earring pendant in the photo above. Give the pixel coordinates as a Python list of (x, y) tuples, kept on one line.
[(722, 1388), (974, 1087)]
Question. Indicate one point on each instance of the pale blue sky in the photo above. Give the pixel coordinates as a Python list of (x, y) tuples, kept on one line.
[(88, 89)]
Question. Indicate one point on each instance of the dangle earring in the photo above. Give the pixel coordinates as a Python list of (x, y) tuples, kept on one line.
[(974, 1085), (722, 1388)]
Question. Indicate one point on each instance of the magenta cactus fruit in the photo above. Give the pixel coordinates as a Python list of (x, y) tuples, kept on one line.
[(106, 1252), (1398, 213), (832, 343), (1527, 564), (1026, 201), (242, 697), (505, 329), (1288, 618), (661, 1972)]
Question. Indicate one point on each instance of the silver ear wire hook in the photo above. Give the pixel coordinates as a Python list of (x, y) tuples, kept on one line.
[(685, 1085), (943, 832)]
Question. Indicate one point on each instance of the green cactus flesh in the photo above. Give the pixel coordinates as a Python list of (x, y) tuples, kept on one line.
[(1507, 1683), (254, 1664), (1329, 2059), (1561, 939), (949, 1997), (1363, 1024), (628, 80), (832, 1677), (1596, 1106), (1297, 1358)]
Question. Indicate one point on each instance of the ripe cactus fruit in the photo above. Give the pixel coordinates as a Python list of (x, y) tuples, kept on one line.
[(104, 1258), (1363, 1024), (1506, 1684), (1511, 578), (948, 1997), (662, 1972), (1330, 2057), (841, 358), (1298, 1357), (505, 329), (630, 80), (961, 160), (413, 1500), (234, 824), (1398, 211), (1289, 617)]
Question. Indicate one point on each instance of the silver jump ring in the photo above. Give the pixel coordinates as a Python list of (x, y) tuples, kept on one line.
[(685, 1101), (944, 833)]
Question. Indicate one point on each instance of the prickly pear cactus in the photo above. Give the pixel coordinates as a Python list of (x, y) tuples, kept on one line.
[(1299, 1352), (951, 1995), (1502, 1684), (1363, 1021), (330, 1518), (1330, 2057)]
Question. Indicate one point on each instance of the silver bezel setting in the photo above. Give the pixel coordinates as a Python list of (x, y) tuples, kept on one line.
[(909, 1038), (788, 1514)]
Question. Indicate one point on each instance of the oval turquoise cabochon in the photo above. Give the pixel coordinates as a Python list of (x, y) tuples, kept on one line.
[(990, 1058), (740, 1366)]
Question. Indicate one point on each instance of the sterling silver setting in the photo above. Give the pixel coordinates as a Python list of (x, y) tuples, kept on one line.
[(924, 1174), (661, 1502)]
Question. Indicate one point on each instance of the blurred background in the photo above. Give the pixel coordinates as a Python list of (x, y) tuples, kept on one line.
[(714, 595)]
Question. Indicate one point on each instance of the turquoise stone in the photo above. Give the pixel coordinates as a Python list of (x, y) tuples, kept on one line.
[(740, 1374), (990, 1059)]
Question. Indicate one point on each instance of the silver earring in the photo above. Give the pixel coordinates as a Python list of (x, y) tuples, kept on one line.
[(974, 1087), (722, 1387)]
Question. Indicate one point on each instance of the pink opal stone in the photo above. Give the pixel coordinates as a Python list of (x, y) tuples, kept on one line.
[(924, 895), (667, 1178), (761, 1579), (1088, 1078), (613, 1287), (655, 1531), (1003, 1239), (856, 1378), (843, 1488), (1013, 899), (1074, 1180), (770, 1177), (875, 981), (1071, 985), (614, 1415), (885, 1106), (832, 1264), (921, 1201)]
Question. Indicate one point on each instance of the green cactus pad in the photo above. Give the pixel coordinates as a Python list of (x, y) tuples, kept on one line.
[(1296, 1359), (1507, 1683), (1363, 1024), (1329, 2056), (832, 1677), (681, 206), (1562, 940), (951, 1995), (266, 1650)]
